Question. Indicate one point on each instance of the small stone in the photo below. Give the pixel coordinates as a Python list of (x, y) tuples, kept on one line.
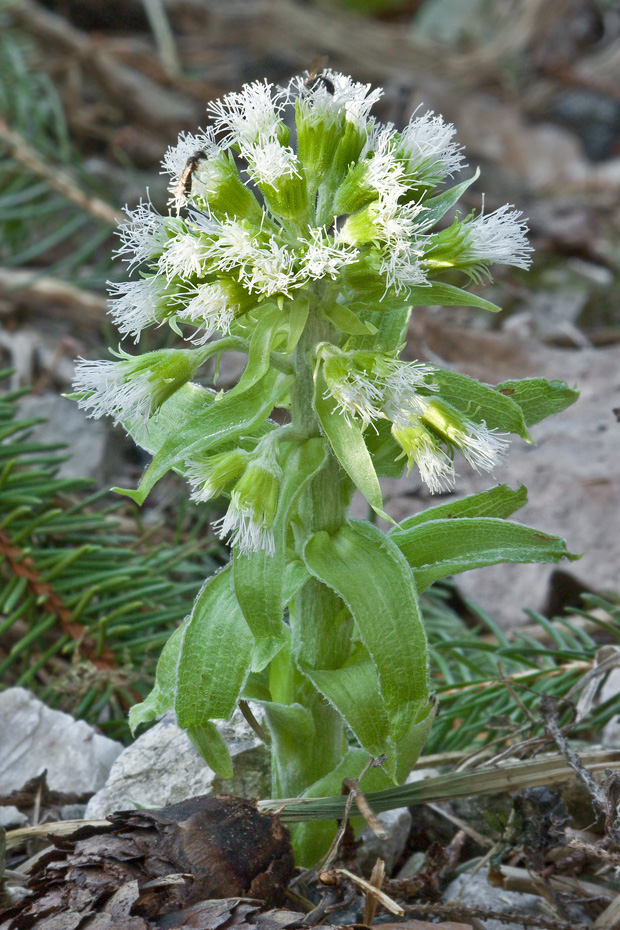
[(35, 738), (11, 817), (162, 767), (397, 824), (475, 891)]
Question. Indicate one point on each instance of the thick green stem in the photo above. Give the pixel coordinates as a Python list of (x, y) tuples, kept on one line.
[(321, 625)]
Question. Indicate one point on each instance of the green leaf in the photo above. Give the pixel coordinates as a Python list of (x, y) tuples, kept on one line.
[(188, 402), (447, 295), (212, 747), (354, 692), (265, 332), (361, 564), (385, 452), (347, 321), (295, 576), (226, 418), (408, 749), (297, 317), (391, 328), (290, 724), (436, 207), (501, 502), (347, 441), (539, 398), (259, 577), (161, 698), (446, 547), (215, 654), (481, 402)]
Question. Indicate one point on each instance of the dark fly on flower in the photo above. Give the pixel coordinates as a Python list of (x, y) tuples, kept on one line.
[(316, 76), (184, 184)]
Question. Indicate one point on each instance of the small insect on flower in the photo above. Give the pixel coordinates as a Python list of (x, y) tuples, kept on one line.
[(317, 78), (184, 184)]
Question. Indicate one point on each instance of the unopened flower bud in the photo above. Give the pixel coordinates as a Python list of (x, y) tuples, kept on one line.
[(213, 475), (248, 522)]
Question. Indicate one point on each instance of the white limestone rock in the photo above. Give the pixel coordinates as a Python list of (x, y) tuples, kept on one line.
[(163, 767), (34, 737), (475, 891)]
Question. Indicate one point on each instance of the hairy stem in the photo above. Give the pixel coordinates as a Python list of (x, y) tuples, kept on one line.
[(321, 625)]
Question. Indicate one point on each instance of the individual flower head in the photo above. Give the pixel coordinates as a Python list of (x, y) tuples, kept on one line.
[(370, 386), (229, 243), (134, 305), (479, 241), (331, 96), (273, 270), (145, 234), (269, 162), (250, 117), (407, 387), (377, 174), (212, 307), (182, 160), (499, 237), (212, 475), (483, 448), (351, 385), (248, 522), (384, 221), (424, 450), (325, 255), (205, 176), (331, 114), (427, 151), (189, 253), (133, 389)]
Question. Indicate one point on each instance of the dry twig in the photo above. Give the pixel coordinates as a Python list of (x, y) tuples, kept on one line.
[(57, 178)]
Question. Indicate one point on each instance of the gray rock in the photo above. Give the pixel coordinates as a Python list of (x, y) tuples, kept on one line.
[(66, 423), (397, 824), (34, 737), (10, 817), (475, 891), (163, 767)]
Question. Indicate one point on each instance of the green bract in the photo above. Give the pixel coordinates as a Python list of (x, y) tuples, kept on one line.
[(307, 249)]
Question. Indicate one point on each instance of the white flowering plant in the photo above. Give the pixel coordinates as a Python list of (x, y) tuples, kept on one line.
[(302, 233)]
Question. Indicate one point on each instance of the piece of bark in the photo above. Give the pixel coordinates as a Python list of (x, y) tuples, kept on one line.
[(150, 863)]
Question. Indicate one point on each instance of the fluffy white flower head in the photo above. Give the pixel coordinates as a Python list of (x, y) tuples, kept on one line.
[(134, 305), (248, 117), (325, 255), (429, 149), (175, 160), (499, 237), (144, 235)]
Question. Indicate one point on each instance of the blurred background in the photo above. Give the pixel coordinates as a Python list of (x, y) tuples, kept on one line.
[(92, 92)]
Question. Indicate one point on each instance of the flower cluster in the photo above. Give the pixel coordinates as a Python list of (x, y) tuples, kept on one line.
[(337, 217), (368, 387)]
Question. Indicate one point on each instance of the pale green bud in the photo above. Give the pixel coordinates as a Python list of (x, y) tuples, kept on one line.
[(423, 449), (217, 187), (253, 505), (215, 474)]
